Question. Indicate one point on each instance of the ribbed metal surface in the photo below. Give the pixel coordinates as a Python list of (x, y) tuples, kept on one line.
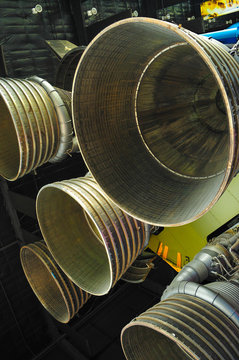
[(228, 291), (140, 269), (29, 129), (56, 292), (92, 240), (179, 328), (62, 107), (137, 274), (66, 97), (165, 143), (67, 67)]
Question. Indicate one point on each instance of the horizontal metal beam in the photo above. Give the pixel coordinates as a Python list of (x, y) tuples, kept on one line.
[(5, 247)]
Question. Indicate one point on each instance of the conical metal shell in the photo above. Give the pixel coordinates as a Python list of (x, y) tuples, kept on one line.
[(179, 328), (155, 111), (35, 125), (29, 128), (140, 269), (56, 292), (92, 240)]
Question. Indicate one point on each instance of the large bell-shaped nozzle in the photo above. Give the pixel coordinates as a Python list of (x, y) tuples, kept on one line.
[(56, 292), (182, 327), (91, 239), (35, 125), (156, 118)]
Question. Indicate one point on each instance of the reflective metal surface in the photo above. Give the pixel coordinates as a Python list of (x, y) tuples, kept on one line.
[(181, 327), (91, 239), (137, 274), (140, 269), (35, 127), (61, 298), (61, 100), (155, 114), (28, 131), (60, 47)]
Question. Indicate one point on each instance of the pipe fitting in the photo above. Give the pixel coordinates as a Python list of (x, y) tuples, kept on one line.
[(203, 267)]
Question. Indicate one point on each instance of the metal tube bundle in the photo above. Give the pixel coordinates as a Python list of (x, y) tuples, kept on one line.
[(140, 269), (165, 143), (56, 292), (181, 327), (92, 240), (193, 321), (35, 126)]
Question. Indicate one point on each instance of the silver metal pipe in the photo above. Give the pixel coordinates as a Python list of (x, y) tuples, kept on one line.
[(196, 311)]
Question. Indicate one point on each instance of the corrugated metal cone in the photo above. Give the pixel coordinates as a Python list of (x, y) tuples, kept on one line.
[(33, 115), (92, 240), (56, 292), (181, 327), (140, 269), (137, 274), (155, 114)]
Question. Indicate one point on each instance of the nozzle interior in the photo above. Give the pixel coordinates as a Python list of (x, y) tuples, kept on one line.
[(181, 114), (162, 145), (156, 345), (71, 240)]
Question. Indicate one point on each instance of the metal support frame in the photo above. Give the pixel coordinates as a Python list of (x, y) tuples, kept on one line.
[(11, 211), (60, 47)]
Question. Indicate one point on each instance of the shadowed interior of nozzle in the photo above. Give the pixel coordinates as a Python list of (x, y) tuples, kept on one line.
[(156, 345), (181, 114)]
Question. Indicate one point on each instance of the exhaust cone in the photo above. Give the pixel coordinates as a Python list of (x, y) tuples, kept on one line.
[(61, 298), (140, 269), (35, 125), (91, 239), (155, 114), (179, 328)]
